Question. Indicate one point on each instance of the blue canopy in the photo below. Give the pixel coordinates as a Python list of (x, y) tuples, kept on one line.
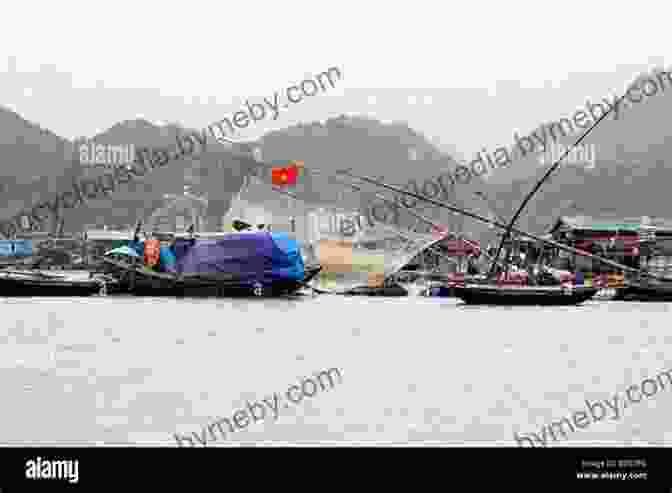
[(123, 250), (20, 248), (252, 257)]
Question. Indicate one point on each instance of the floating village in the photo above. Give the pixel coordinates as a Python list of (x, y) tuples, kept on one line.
[(254, 254)]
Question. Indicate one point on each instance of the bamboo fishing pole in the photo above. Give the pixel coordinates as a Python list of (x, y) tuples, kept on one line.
[(500, 225), (415, 214), (460, 236), (431, 247), (467, 213), (255, 164), (548, 173)]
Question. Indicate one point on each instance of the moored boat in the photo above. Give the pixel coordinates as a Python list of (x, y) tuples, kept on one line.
[(141, 281), (36, 283), (642, 291), (237, 264), (489, 294), (392, 289)]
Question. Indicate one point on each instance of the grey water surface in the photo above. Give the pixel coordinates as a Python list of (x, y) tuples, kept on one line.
[(123, 370)]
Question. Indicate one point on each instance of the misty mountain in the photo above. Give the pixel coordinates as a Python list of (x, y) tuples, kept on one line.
[(394, 153), (38, 164), (33, 160), (631, 177)]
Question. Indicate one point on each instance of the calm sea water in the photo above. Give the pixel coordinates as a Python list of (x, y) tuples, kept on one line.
[(126, 370)]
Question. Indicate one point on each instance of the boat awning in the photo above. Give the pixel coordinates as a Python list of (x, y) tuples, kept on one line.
[(16, 248), (611, 225), (105, 235), (590, 224)]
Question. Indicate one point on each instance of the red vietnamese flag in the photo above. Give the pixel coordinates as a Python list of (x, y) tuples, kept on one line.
[(284, 176)]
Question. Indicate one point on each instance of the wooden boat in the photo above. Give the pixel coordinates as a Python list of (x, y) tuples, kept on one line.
[(390, 290), (641, 291), (488, 294), (36, 283), (444, 286), (141, 281), (439, 291), (258, 263), (493, 293)]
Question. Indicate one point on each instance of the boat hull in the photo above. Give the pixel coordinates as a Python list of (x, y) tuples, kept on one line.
[(139, 281), (33, 284), (523, 295), (642, 292), (439, 291), (394, 290)]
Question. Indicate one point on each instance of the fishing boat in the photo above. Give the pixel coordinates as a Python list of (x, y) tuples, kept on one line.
[(488, 294), (644, 291), (444, 286), (491, 292), (392, 289), (256, 263), (36, 283)]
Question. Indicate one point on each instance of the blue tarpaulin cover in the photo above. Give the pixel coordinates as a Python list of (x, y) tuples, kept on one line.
[(20, 248), (167, 259), (253, 257), (138, 246)]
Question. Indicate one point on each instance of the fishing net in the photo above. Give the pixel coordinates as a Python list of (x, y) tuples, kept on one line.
[(358, 239)]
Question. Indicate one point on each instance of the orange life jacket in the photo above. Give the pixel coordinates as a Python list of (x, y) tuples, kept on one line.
[(152, 252)]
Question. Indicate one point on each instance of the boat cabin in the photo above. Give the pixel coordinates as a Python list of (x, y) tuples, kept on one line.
[(656, 247), (99, 241), (640, 242), (521, 250), (450, 255)]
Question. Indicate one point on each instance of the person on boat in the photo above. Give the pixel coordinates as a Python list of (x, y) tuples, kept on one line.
[(167, 258), (552, 276), (472, 269), (152, 253), (522, 256), (138, 246), (239, 225)]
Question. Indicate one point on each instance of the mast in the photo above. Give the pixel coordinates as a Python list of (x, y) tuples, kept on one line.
[(420, 217), (496, 215), (478, 217), (467, 213), (548, 173)]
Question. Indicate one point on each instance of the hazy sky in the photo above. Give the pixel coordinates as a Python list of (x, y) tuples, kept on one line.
[(467, 74)]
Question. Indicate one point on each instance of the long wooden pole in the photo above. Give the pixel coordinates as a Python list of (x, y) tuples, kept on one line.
[(418, 216), (548, 173), (460, 235), (470, 214), (498, 224), (255, 164)]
